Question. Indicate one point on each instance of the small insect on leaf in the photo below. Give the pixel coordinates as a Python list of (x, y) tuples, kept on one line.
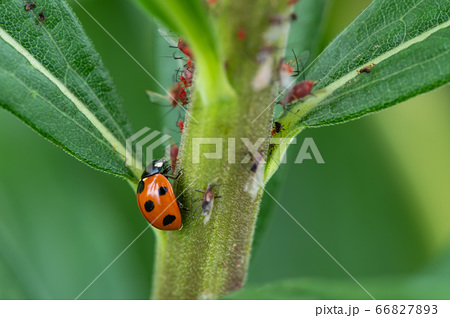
[(301, 90), (42, 16), (30, 6), (293, 68), (366, 69)]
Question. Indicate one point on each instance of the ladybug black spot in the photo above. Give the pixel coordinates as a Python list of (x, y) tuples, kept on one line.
[(149, 206), (162, 190), (140, 187), (168, 219)]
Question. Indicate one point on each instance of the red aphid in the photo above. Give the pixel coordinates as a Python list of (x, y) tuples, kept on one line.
[(301, 90), (180, 125), (184, 81), (188, 72), (286, 73), (183, 47), (287, 67), (241, 34), (173, 157), (292, 2), (178, 95)]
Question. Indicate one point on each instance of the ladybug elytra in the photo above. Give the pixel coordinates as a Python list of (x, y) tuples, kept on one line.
[(156, 198)]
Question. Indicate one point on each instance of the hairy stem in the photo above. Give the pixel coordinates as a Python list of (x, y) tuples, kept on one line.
[(207, 260)]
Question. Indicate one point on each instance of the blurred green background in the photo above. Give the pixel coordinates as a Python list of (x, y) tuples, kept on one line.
[(380, 205)]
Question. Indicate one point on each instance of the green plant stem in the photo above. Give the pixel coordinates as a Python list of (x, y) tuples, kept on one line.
[(206, 261)]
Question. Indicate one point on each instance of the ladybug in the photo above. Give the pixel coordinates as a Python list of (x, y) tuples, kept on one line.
[(156, 198)]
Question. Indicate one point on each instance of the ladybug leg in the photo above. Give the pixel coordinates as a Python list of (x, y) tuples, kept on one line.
[(177, 176)]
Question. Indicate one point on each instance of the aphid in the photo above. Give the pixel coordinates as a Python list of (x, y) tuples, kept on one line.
[(180, 125), (271, 147), (183, 47), (42, 16), (280, 19), (257, 159), (178, 95), (188, 72), (241, 34), (156, 198), (366, 69), (263, 74), (287, 70), (301, 90), (173, 157), (292, 2), (30, 6), (286, 73), (207, 202), (184, 81), (276, 128), (293, 17)]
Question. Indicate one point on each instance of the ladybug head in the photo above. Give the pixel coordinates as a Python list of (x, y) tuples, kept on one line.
[(157, 166)]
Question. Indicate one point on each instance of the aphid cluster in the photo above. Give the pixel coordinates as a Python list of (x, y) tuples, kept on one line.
[(178, 95), (155, 196), (287, 75)]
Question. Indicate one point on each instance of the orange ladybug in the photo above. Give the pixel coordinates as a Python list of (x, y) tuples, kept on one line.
[(156, 198)]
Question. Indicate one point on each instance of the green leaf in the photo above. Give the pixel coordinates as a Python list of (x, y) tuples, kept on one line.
[(430, 283), (304, 37), (381, 288), (52, 78), (306, 32), (409, 45)]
